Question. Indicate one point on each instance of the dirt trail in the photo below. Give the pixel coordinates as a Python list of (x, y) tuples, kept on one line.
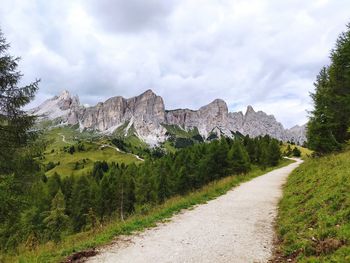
[(64, 138), (118, 150), (236, 227)]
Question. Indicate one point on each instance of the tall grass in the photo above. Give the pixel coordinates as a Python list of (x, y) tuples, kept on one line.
[(314, 213)]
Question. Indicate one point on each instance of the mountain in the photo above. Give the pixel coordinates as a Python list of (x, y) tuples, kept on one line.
[(145, 116), (297, 134), (56, 107)]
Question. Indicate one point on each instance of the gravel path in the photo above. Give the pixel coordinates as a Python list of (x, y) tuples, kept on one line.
[(236, 227)]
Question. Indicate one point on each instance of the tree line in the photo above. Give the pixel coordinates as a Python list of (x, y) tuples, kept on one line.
[(60, 205), (328, 127)]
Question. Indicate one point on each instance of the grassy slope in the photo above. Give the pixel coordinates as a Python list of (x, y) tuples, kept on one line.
[(314, 214), (305, 152), (179, 132), (92, 153), (55, 253)]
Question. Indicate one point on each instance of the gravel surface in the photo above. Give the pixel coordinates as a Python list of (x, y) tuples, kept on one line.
[(235, 227)]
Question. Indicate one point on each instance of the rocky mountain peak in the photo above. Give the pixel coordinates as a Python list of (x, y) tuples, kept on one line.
[(146, 114), (250, 110), (148, 92), (217, 105), (57, 106), (64, 95)]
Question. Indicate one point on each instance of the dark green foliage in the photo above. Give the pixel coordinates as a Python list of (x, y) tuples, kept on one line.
[(120, 144), (80, 147), (18, 169), (183, 142), (198, 138), (54, 184), (238, 159), (296, 152), (69, 149), (157, 152), (274, 153), (81, 202), (15, 124), (56, 221), (212, 136), (49, 166), (288, 152), (330, 119), (98, 169)]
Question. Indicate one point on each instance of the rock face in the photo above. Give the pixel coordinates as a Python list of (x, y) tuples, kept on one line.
[(145, 114), (213, 116), (259, 123), (58, 106), (297, 134)]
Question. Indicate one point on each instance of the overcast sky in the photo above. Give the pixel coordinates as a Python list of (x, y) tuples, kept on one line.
[(264, 53)]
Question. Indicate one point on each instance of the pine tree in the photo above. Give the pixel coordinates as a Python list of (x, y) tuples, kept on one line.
[(57, 221), (104, 205), (330, 119), (238, 159), (274, 152), (81, 202), (15, 124), (54, 184), (163, 183), (320, 129)]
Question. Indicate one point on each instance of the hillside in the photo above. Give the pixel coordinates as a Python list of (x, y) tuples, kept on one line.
[(314, 214), (70, 152)]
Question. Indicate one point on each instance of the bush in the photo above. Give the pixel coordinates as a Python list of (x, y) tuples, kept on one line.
[(49, 166), (296, 152)]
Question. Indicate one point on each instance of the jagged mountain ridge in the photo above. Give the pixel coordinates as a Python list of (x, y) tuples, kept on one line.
[(147, 115)]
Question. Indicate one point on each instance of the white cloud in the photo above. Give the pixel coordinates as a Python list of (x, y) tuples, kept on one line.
[(260, 52)]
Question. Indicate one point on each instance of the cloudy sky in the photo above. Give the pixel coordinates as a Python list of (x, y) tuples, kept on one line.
[(265, 53)]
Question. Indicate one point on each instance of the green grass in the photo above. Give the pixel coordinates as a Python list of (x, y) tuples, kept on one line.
[(179, 132), (92, 153), (314, 213), (305, 152), (168, 146), (55, 253)]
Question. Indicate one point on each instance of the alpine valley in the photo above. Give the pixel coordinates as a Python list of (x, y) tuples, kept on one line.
[(145, 117)]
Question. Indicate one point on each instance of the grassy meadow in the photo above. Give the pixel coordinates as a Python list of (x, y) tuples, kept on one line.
[(314, 214), (80, 162)]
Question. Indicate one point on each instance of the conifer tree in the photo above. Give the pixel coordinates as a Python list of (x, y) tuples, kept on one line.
[(330, 119), (56, 221), (81, 202), (238, 159), (15, 124), (274, 152)]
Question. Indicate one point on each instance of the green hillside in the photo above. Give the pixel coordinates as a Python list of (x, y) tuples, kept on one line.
[(314, 214), (305, 152), (88, 148)]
